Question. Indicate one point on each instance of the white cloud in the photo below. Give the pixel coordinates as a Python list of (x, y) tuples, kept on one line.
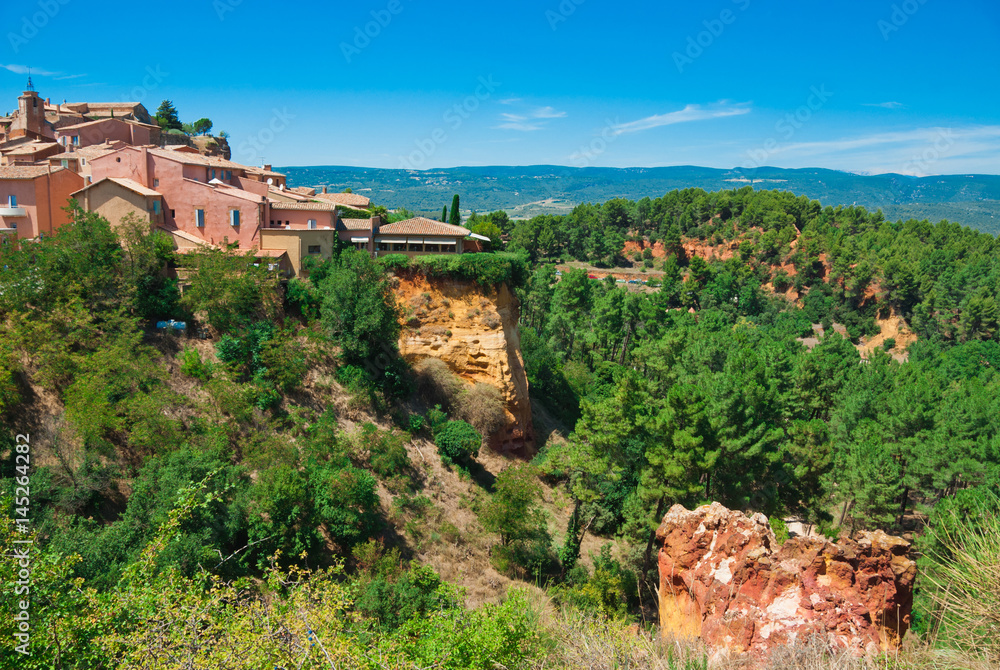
[(522, 126), (917, 152), (885, 105), (548, 113), (70, 76), (529, 121), (510, 101), (24, 69), (687, 115)]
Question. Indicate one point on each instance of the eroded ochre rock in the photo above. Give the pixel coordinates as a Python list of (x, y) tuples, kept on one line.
[(474, 331), (724, 578)]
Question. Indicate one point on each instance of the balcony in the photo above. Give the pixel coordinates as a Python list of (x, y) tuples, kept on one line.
[(13, 211)]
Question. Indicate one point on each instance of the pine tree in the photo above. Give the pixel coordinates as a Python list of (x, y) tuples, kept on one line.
[(167, 118), (444, 214), (456, 215)]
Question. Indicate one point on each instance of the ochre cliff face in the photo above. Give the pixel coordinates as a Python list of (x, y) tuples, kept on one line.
[(475, 333), (724, 578)]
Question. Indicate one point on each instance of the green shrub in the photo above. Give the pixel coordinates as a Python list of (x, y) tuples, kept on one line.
[(457, 442), (780, 528), (487, 269), (608, 593), (193, 366), (889, 344), (392, 601)]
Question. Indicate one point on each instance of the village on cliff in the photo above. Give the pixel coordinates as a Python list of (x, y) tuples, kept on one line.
[(114, 160)]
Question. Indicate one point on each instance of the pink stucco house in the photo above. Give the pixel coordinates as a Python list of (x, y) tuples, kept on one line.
[(107, 130), (206, 197), (33, 198)]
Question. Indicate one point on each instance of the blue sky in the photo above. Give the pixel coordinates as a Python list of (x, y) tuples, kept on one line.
[(867, 86)]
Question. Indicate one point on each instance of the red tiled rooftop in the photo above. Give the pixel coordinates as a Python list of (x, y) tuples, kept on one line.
[(423, 226), (131, 185), (356, 224), (26, 171), (352, 199)]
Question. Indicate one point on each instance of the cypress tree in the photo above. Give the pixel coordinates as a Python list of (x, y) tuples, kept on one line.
[(456, 215), (444, 214)]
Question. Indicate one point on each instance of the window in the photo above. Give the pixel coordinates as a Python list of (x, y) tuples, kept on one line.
[(156, 183), (312, 224), (13, 226), (64, 163), (83, 161), (173, 214), (199, 218), (213, 173), (156, 207), (229, 175), (383, 246), (76, 142), (314, 249), (234, 217), (416, 247), (361, 246), (399, 247), (432, 248), (13, 201)]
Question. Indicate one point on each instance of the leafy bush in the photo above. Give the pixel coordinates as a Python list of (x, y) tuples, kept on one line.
[(457, 442), (609, 592), (487, 269), (418, 592), (359, 309), (193, 366)]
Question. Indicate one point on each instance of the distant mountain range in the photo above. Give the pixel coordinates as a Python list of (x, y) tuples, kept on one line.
[(972, 200)]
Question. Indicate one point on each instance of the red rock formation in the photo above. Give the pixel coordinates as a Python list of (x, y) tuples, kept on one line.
[(724, 578)]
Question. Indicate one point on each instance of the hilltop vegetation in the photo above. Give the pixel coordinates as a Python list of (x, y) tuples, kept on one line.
[(255, 499)]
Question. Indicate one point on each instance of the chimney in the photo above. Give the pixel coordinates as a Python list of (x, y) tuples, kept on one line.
[(48, 101), (267, 168), (324, 189)]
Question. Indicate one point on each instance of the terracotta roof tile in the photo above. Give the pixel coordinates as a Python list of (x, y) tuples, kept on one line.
[(131, 185), (26, 171), (352, 199), (423, 226), (197, 159), (355, 224), (87, 124)]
